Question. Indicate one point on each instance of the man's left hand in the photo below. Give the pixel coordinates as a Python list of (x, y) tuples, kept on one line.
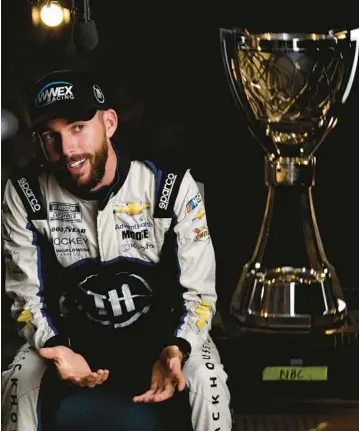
[(166, 375)]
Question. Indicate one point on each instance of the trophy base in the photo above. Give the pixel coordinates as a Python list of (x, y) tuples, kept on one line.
[(293, 365), (287, 298)]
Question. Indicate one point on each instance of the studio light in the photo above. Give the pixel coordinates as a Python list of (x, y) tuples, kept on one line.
[(50, 13)]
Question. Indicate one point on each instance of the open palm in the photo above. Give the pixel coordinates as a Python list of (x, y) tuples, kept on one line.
[(73, 367)]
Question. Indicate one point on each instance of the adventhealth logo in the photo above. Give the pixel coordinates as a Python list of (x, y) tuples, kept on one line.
[(53, 92)]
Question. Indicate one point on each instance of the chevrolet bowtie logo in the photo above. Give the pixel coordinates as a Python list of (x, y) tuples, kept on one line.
[(203, 311), (199, 215), (132, 208)]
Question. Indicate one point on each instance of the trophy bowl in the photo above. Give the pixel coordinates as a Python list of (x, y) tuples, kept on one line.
[(291, 87)]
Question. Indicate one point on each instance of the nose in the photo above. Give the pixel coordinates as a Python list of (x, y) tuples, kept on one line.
[(67, 144)]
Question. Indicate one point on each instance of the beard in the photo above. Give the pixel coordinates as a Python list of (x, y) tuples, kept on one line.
[(97, 161)]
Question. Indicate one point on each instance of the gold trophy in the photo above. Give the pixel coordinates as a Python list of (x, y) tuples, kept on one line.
[(291, 88)]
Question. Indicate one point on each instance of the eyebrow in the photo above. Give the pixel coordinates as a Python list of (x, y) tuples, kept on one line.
[(49, 129)]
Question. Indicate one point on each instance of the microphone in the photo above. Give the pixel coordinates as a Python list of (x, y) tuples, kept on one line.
[(85, 33)]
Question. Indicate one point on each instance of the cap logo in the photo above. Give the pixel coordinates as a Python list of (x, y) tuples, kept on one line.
[(53, 92), (98, 94)]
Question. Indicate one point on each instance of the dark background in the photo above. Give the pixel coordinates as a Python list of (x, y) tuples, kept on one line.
[(163, 70)]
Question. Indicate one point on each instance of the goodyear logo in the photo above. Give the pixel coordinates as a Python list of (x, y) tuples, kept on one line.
[(193, 203), (132, 208), (203, 311), (201, 234)]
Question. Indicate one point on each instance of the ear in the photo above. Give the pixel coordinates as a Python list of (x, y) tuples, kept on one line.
[(110, 119)]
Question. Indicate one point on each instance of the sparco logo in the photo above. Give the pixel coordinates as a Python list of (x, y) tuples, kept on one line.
[(167, 191), (34, 203), (58, 90)]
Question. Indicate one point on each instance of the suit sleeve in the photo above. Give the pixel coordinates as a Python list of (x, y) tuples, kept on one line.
[(23, 271), (196, 263)]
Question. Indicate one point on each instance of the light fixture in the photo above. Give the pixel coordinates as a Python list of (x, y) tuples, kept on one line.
[(50, 13)]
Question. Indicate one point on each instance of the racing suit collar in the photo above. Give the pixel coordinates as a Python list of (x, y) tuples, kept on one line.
[(122, 169)]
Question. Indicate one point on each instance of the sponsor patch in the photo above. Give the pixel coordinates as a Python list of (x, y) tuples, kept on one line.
[(54, 92), (203, 311), (131, 208), (139, 235), (29, 194), (123, 299), (133, 226), (193, 203), (201, 234), (137, 246), (98, 94), (199, 215), (68, 229), (168, 183), (70, 241), (28, 188), (167, 190), (70, 246), (25, 317), (64, 212)]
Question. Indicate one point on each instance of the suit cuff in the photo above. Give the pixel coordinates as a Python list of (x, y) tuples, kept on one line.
[(183, 345), (57, 340)]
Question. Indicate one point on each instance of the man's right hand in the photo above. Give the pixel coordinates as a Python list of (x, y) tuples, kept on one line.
[(73, 367)]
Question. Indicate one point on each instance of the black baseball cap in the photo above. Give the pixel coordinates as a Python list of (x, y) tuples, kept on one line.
[(69, 94)]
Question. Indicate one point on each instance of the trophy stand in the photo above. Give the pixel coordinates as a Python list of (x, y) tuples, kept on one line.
[(303, 296), (288, 319)]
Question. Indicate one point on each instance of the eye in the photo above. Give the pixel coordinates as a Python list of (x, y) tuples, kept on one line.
[(78, 127), (48, 137)]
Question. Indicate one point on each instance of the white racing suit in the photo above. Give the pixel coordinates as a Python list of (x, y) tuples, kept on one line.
[(100, 259)]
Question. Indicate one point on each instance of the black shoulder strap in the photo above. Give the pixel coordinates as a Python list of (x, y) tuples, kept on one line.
[(26, 183), (167, 191)]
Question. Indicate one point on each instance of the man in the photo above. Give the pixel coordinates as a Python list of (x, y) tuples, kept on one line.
[(111, 269)]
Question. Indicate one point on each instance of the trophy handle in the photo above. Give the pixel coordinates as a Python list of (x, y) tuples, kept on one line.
[(224, 34), (354, 36)]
